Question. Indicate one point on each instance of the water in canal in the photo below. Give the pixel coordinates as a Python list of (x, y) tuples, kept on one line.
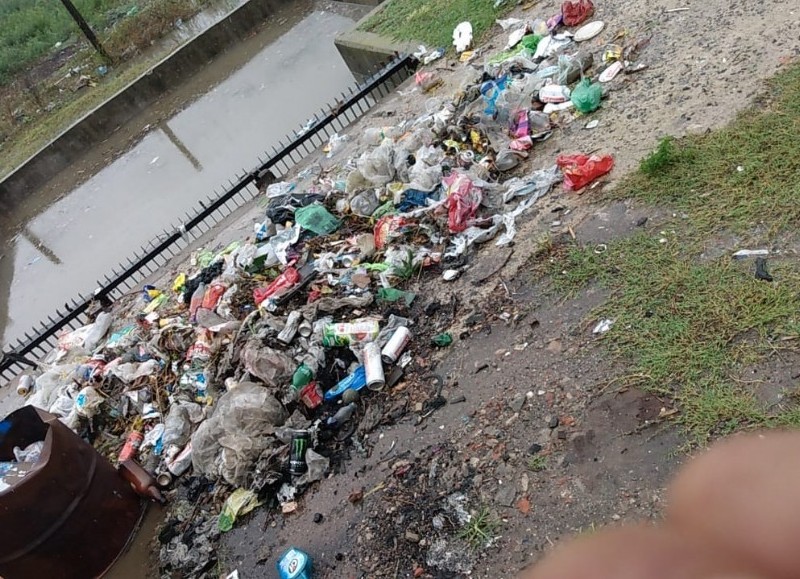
[(63, 239)]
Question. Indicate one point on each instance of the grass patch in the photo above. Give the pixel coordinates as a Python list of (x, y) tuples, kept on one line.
[(433, 21), (737, 178), (36, 134), (688, 326), (537, 463), (480, 529)]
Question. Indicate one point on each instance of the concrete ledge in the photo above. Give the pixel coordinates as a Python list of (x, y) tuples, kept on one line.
[(99, 124), (364, 52)]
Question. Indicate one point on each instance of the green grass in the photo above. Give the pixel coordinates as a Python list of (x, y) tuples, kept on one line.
[(537, 463), (742, 176), (480, 529), (31, 28), (433, 21), (686, 324)]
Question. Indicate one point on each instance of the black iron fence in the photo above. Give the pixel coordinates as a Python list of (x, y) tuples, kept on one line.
[(348, 108)]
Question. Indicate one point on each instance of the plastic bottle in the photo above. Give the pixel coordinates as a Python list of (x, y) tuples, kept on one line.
[(197, 301), (302, 376), (344, 414)]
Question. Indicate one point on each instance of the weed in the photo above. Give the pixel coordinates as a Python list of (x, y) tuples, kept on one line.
[(480, 529), (537, 463), (432, 21), (665, 155), (408, 268)]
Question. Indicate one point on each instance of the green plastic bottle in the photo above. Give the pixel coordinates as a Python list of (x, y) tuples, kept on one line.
[(302, 376)]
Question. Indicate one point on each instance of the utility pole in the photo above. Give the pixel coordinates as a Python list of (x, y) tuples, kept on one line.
[(86, 29)]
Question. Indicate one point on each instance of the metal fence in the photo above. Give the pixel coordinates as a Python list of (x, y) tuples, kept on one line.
[(348, 108)]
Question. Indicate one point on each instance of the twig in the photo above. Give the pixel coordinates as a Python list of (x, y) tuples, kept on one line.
[(675, 10)]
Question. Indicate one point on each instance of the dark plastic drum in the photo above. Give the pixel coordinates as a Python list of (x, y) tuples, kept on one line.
[(72, 515)]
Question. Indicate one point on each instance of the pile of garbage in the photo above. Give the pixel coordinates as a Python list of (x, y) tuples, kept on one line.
[(238, 383)]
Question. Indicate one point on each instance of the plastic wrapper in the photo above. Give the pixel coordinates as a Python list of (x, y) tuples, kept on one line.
[(335, 144), (284, 282), (463, 200), (388, 228), (49, 386), (318, 467), (239, 503), (573, 13), (587, 96), (580, 170), (229, 442)]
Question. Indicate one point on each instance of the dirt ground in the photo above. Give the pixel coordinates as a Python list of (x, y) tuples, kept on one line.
[(526, 378)]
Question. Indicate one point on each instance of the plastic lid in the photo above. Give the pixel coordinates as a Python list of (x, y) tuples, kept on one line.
[(589, 31)]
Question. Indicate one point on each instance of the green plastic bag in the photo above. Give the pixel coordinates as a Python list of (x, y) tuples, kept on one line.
[(316, 218), (390, 294), (531, 41), (586, 96)]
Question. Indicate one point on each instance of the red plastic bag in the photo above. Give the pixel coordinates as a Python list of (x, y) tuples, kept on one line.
[(463, 200), (282, 283), (574, 13), (580, 170)]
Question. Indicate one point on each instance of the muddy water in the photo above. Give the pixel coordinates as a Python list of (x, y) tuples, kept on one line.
[(64, 238)]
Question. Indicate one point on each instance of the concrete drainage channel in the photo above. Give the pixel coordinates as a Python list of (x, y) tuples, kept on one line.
[(352, 105)]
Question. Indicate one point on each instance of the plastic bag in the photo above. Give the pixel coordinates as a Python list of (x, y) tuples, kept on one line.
[(580, 170), (178, 423), (239, 503), (377, 166), (317, 219), (537, 184), (273, 367), (586, 96), (424, 178), (283, 282), (463, 200), (571, 68), (574, 13), (231, 440), (391, 295), (87, 402), (98, 330), (31, 453), (335, 144)]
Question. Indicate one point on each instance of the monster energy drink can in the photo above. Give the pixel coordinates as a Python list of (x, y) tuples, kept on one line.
[(297, 457)]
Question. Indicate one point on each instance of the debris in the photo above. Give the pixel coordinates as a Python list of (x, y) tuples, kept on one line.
[(742, 253), (761, 270), (603, 326), (443, 340), (462, 36)]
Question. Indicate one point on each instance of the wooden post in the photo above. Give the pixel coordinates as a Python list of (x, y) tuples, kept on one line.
[(86, 29)]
